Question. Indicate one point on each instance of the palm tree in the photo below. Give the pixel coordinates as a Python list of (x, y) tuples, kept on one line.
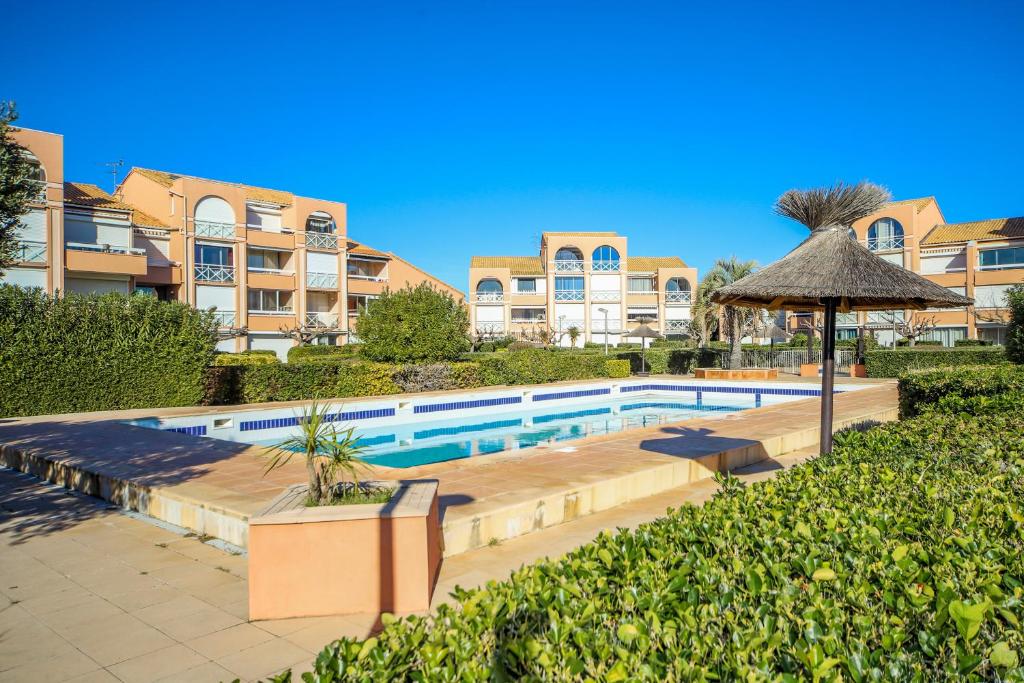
[(737, 321), (325, 451), (574, 334), (343, 457)]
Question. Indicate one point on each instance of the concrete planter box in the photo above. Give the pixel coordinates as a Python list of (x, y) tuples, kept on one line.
[(741, 373), (345, 559), (810, 370), (858, 370)]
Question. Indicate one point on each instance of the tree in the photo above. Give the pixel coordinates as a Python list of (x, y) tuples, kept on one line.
[(412, 325), (1015, 328), (737, 322), (915, 327), (574, 334), (16, 186), (703, 316)]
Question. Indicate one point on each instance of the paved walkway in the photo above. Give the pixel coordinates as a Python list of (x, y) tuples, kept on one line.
[(88, 593)]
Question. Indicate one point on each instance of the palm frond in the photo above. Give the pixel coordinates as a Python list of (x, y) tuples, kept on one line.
[(841, 204)]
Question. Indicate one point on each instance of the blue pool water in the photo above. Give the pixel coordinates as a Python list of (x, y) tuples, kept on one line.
[(422, 443)]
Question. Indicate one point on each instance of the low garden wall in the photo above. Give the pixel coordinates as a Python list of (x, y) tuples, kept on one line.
[(897, 557)]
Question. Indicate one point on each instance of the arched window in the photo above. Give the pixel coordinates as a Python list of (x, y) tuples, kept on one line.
[(321, 221), (606, 258), (677, 290), (214, 217), (489, 290), (885, 234), (569, 259)]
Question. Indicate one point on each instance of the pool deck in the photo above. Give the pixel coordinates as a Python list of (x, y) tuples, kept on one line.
[(211, 486)]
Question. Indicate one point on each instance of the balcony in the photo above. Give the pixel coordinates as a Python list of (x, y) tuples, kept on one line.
[(598, 324), (104, 258), (676, 326), (225, 319), (490, 297), (30, 252), (598, 295), (322, 280), (678, 297), (490, 328), (569, 295), (605, 266), (321, 240), (885, 243), (215, 230), (209, 272), (322, 320), (565, 323), (569, 266)]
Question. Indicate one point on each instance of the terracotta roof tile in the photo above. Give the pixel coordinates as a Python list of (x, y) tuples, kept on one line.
[(363, 250), (517, 265), (920, 203), (256, 194), (647, 264), (87, 194), (580, 233), (991, 229)]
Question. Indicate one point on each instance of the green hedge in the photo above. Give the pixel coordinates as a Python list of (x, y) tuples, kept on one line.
[(246, 358), (1015, 328), (921, 389), (78, 353), (617, 368), (537, 366), (672, 361), (898, 557), (894, 362), (300, 354)]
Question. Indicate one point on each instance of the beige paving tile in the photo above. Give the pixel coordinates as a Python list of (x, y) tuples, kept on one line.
[(328, 629), (208, 620), (204, 673), (97, 676), (116, 639), (264, 660), (229, 640), (158, 664)]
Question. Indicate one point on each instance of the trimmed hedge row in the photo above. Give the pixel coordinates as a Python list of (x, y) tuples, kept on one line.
[(329, 377), (246, 358), (923, 390), (662, 361), (71, 353), (894, 362), (897, 557)]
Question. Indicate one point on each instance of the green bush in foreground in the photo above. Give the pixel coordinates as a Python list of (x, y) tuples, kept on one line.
[(411, 325), (1015, 328), (898, 557), (925, 388), (316, 352), (71, 353), (246, 358), (894, 362)]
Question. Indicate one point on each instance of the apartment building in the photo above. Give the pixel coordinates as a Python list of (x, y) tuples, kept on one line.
[(582, 280), (979, 259), (275, 267)]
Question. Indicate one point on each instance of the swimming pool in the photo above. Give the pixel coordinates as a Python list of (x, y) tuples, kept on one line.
[(407, 431)]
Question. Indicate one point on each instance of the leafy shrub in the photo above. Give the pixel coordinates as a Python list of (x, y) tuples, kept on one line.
[(1015, 328), (971, 342), (308, 380), (893, 362), (672, 361), (617, 368), (425, 377), (920, 342), (898, 557), (246, 358), (316, 352), (921, 389), (71, 353), (411, 325), (979, 405), (536, 366), (520, 345)]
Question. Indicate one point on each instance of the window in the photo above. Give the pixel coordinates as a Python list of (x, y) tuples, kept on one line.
[(270, 301), (1005, 257), (606, 258), (526, 285), (264, 259), (641, 285), (635, 313), (528, 315), (568, 289), (568, 254), (993, 334), (489, 289), (357, 302), (677, 290), (321, 222), (884, 234), (210, 255), (946, 335)]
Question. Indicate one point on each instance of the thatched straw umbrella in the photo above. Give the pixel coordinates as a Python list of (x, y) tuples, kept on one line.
[(830, 271), (643, 332)]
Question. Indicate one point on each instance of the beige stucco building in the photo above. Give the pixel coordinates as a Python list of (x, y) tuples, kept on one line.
[(274, 266), (979, 259), (582, 280)]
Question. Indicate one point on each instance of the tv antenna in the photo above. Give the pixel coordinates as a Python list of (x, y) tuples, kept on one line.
[(114, 167)]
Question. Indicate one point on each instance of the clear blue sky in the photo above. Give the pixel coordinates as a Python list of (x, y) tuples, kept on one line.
[(460, 129)]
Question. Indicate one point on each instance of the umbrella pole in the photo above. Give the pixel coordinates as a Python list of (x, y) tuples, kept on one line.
[(828, 354)]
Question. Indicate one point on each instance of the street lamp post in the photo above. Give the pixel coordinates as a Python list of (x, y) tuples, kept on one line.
[(605, 311)]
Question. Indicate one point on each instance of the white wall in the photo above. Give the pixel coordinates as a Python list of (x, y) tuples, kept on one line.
[(25, 277), (896, 258), (214, 209), (606, 281), (319, 262), (96, 230), (933, 265), (490, 314), (273, 342), (158, 249), (263, 218), (221, 298), (677, 313), (81, 285)]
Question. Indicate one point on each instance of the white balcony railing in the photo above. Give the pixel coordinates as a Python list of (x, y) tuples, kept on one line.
[(30, 252), (325, 320), (885, 243), (568, 266), (277, 312), (676, 326), (490, 328), (490, 297), (211, 272), (605, 266), (565, 323), (224, 318), (528, 321), (885, 317), (105, 249), (613, 325), (322, 280), (215, 229), (605, 295), (846, 319), (321, 240), (678, 297), (568, 295)]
